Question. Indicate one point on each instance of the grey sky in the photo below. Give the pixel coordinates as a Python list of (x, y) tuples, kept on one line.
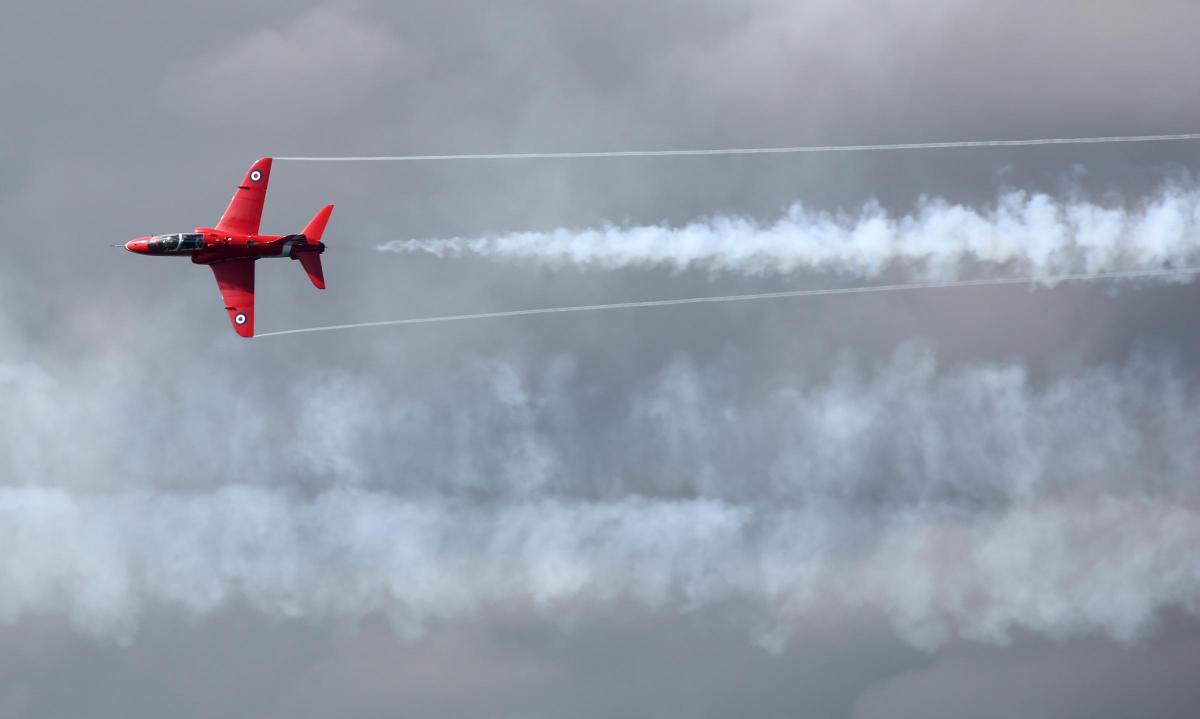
[(920, 505)]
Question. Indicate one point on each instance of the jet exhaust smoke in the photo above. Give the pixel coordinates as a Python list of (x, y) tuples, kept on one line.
[(1032, 234), (1061, 568), (967, 502)]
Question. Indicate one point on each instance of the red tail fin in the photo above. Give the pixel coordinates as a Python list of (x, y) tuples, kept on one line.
[(311, 259), (316, 226), (312, 265)]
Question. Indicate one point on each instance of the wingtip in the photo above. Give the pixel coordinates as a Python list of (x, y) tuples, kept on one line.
[(262, 164)]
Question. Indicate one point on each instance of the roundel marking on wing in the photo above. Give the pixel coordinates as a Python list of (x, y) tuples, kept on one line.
[(239, 319), (255, 175)]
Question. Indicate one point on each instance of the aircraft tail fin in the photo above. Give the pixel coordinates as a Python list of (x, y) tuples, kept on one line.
[(309, 259), (316, 226)]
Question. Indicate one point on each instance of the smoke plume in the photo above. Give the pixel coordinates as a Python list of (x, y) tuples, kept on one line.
[(1030, 233), (965, 501), (1062, 568)]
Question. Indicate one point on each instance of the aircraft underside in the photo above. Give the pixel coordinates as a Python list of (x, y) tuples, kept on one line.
[(231, 247)]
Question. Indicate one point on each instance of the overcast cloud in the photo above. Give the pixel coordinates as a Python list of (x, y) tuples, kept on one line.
[(937, 503)]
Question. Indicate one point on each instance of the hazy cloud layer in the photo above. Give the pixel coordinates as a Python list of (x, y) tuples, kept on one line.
[(332, 56), (1062, 568), (963, 503), (902, 433), (598, 515)]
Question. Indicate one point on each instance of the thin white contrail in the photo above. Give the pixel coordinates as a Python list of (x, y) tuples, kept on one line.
[(753, 150), (867, 289)]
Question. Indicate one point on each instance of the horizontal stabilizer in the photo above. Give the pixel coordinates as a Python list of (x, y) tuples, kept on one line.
[(316, 226), (312, 265), (311, 259)]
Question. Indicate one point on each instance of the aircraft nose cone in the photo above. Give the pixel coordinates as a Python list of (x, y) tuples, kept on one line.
[(137, 245)]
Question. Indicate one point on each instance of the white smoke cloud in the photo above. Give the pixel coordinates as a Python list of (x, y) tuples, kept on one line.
[(1063, 567), (965, 501), (904, 431), (1034, 233)]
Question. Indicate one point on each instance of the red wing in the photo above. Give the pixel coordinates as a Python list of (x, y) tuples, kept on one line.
[(235, 278), (245, 209)]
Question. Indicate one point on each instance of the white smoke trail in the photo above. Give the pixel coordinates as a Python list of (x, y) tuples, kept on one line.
[(799, 149), (1182, 273), (1033, 234)]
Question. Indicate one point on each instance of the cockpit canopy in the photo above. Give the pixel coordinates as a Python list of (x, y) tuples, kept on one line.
[(181, 242)]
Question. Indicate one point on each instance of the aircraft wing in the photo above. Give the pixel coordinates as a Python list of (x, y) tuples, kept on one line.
[(244, 213), (235, 278)]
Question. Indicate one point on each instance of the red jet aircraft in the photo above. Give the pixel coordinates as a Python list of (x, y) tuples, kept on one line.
[(231, 247)]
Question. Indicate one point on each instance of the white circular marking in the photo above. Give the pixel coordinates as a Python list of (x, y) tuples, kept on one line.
[(255, 175), (239, 319)]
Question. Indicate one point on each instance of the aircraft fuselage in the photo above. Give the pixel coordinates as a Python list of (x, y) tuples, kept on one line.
[(206, 245)]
